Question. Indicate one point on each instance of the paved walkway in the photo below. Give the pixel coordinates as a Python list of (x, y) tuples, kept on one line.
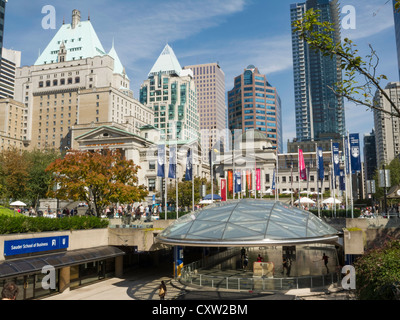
[(143, 285)]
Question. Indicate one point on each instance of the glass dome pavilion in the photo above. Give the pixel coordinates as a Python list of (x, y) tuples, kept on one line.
[(248, 222)]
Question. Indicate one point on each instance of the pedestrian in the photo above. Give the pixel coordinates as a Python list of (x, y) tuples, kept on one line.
[(245, 262), (260, 259), (325, 258), (162, 290), (10, 291)]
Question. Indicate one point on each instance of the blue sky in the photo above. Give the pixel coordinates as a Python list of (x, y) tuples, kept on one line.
[(235, 33)]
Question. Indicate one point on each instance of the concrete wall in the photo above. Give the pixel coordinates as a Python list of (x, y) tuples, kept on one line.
[(82, 239), (144, 239), (366, 234)]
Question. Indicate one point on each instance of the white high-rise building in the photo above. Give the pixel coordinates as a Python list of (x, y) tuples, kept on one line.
[(171, 93), (387, 128), (319, 112), (210, 84)]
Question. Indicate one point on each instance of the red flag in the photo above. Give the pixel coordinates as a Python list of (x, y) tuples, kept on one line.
[(258, 179), (223, 189), (302, 166), (230, 181), (248, 178)]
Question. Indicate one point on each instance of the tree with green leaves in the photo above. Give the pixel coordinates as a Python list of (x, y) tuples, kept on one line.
[(39, 180), (13, 175), (318, 35), (99, 178)]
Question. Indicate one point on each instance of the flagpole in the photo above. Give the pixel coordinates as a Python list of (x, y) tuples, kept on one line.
[(345, 173), (317, 163), (333, 180), (298, 159), (291, 181), (166, 181), (351, 177), (192, 180), (176, 180), (277, 174), (212, 178)]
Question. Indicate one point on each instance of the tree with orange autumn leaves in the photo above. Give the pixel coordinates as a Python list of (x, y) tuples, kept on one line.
[(99, 178)]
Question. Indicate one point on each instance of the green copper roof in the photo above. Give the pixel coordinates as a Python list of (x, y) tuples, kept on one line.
[(118, 67), (167, 63), (81, 42)]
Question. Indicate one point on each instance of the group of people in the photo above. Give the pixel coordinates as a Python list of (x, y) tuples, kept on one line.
[(140, 212)]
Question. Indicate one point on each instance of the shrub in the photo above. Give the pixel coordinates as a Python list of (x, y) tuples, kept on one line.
[(378, 273), (22, 224)]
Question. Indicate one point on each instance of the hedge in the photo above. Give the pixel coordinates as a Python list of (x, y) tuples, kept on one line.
[(23, 224)]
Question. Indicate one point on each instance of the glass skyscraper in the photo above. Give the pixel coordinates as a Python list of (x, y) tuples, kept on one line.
[(320, 113), (2, 16), (397, 30), (254, 103)]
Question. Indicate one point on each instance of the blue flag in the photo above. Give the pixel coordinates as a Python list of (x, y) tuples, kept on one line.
[(160, 161), (320, 163), (336, 159), (342, 184), (273, 181), (355, 152), (189, 166), (172, 163), (346, 155), (238, 182)]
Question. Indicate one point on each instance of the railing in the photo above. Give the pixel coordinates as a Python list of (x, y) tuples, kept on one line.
[(257, 283)]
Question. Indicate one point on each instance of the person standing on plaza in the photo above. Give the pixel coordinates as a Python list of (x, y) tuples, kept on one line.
[(325, 258), (162, 290)]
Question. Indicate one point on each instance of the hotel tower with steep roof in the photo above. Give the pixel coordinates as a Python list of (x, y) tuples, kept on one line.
[(75, 84)]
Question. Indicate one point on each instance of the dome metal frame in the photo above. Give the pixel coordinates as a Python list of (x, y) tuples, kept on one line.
[(249, 223)]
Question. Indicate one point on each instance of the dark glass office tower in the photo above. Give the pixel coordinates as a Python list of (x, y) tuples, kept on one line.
[(320, 113), (254, 103), (397, 30), (2, 16)]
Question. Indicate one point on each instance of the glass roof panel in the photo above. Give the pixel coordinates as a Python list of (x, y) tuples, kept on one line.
[(248, 219)]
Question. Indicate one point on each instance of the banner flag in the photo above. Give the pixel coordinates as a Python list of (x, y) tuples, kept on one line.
[(172, 163), (273, 181), (355, 152), (248, 177), (258, 179), (302, 166), (320, 163), (342, 183), (189, 166), (238, 182), (336, 159), (223, 189), (230, 181), (160, 161)]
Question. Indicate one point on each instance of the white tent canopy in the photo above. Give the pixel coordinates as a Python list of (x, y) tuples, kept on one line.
[(18, 204), (287, 192), (331, 201), (305, 200)]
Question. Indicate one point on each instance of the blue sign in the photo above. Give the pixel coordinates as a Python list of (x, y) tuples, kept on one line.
[(23, 246)]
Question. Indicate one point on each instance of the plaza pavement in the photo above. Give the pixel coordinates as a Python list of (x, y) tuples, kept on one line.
[(143, 285)]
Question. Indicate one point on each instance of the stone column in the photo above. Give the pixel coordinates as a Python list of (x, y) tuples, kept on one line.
[(119, 266), (65, 277)]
